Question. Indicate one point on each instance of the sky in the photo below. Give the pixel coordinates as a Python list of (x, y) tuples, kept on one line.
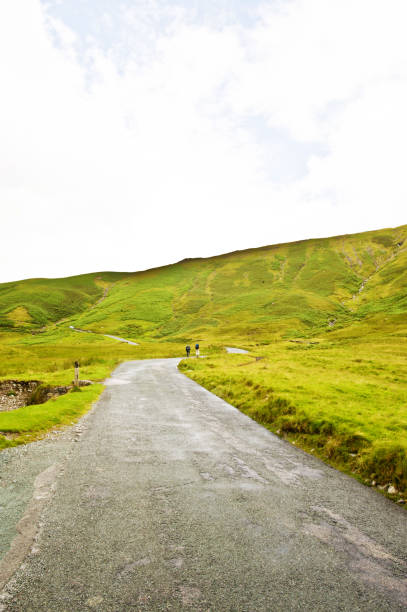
[(136, 133)]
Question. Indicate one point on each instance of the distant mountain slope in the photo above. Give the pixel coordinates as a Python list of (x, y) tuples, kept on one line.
[(291, 289), (36, 302)]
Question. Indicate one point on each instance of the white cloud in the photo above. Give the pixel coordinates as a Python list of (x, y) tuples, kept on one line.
[(169, 152)]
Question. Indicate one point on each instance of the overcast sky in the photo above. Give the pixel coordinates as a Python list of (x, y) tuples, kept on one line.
[(135, 133)]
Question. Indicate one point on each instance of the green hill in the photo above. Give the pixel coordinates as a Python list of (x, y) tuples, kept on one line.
[(325, 322), (277, 291), (37, 302)]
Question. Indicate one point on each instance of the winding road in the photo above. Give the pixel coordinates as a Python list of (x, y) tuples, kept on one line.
[(165, 497)]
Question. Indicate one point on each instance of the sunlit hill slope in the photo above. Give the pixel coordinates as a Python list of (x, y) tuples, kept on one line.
[(325, 322), (278, 291)]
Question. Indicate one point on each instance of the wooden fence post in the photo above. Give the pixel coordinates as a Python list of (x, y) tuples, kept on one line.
[(76, 381)]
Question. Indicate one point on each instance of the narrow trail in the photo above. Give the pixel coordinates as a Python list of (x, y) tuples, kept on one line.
[(88, 331), (104, 296), (169, 498)]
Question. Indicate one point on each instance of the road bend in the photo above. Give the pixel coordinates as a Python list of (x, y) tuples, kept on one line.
[(171, 499)]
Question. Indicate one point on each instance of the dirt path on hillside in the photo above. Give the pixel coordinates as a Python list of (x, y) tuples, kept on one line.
[(231, 349), (87, 331), (167, 498), (103, 297)]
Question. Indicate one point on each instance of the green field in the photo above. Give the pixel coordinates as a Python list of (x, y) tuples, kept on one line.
[(49, 357), (327, 317), (345, 403)]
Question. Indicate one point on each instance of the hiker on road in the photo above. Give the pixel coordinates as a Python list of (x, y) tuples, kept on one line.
[(197, 349), (188, 350)]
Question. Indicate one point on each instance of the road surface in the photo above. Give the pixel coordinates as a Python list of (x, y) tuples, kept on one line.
[(167, 498), (231, 349)]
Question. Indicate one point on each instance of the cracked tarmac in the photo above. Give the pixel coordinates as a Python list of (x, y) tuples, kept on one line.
[(165, 497)]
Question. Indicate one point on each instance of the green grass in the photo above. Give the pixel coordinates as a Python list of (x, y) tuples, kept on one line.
[(272, 292), (40, 301), (346, 401), (344, 398), (49, 357), (32, 421)]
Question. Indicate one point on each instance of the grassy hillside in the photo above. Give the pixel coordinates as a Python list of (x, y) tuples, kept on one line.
[(278, 291), (273, 292), (326, 317), (36, 302)]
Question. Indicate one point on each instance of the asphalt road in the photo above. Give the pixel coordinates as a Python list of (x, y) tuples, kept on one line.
[(167, 498)]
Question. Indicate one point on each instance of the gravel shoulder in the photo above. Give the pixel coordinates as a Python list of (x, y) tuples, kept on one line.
[(171, 499)]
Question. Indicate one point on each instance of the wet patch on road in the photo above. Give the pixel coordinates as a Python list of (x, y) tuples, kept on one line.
[(133, 566), (28, 526), (292, 473), (363, 556), (113, 381), (189, 595)]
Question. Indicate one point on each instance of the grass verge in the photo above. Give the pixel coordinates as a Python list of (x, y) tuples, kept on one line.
[(49, 358), (32, 422), (340, 402)]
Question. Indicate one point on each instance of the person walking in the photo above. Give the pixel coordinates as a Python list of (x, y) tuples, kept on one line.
[(197, 349), (188, 350)]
